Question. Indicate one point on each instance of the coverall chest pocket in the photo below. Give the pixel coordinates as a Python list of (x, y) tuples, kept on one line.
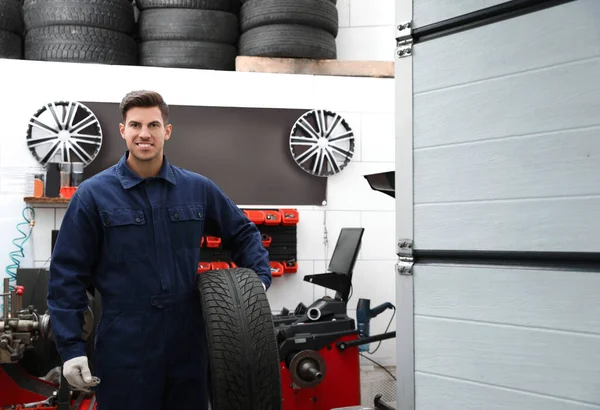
[(186, 224), (126, 234)]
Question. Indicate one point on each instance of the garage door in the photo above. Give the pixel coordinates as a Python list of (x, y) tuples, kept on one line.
[(505, 204)]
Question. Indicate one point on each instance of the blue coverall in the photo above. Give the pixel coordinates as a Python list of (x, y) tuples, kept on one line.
[(137, 241)]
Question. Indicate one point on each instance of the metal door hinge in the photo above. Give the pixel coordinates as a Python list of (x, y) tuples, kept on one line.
[(404, 40), (404, 266), (405, 247)]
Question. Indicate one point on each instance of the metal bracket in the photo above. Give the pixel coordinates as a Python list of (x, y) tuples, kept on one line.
[(404, 40), (405, 263), (405, 247), (404, 266)]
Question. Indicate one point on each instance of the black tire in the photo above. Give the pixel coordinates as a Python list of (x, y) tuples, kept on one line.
[(110, 14), (223, 5), (244, 360), (188, 25), (11, 16), (188, 54), (11, 45), (288, 41), (315, 13), (332, 1), (80, 44)]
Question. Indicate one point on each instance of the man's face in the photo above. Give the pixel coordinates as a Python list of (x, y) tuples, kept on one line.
[(145, 133)]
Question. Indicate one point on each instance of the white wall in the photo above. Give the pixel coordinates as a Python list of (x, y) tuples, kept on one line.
[(366, 30), (367, 104)]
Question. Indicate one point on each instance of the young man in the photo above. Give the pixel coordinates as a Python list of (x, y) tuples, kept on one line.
[(133, 231)]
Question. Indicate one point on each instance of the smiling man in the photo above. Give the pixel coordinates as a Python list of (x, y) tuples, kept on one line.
[(133, 232)]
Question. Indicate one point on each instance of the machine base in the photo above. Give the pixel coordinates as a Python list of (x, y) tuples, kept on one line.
[(18, 388), (339, 388)]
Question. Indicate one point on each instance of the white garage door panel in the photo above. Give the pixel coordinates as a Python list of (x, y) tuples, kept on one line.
[(527, 42), (546, 225), (559, 364), (565, 163), (557, 98), (542, 298), (435, 393), (426, 12)]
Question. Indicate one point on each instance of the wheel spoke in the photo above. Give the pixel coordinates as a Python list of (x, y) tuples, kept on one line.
[(296, 138), (94, 137), (335, 123), (83, 124), (308, 128), (72, 111), (340, 151), (343, 137), (82, 141), (67, 151), (40, 143), (55, 147), (37, 124), (332, 162), (52, 109), (307, 155), (321, 123), (80, 152), (318, 161)]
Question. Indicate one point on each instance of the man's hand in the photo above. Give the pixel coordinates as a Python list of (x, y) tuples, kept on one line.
[(77, 372)]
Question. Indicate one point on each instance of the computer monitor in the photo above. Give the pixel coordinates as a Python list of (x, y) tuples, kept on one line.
[(346, 251)]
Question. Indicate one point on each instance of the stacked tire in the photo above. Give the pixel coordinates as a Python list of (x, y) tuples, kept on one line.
[(199, 34), (289, 28), (11, 29), (81, 31)]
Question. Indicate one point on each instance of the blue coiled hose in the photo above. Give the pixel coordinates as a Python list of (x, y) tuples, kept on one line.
[(15, 255)]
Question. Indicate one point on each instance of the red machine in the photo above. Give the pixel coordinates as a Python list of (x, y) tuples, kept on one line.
[(19, 329), (318, 345), (20, 391)]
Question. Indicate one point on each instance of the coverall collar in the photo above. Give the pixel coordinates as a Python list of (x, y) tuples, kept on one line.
[(129, 179)]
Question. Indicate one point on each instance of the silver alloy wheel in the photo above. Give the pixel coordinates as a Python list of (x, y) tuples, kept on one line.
[(322, 143), (64, 132)]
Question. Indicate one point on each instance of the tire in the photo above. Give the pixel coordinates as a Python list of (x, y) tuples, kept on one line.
[(332, 1), (11, 45), (109, 14), (223, 5), (314, 13), (80, 44), (288, 41), (188, 25), (244, 360), (188, 54), (11, 16)]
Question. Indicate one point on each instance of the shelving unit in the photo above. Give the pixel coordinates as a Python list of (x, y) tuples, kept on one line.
[(45, 202)]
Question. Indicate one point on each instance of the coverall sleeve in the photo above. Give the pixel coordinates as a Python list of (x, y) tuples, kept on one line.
[(73, 259), (236, 230)]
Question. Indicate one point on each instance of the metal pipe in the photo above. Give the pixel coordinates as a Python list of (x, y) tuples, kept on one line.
[(13, 303), (5, 298), (365, 340)]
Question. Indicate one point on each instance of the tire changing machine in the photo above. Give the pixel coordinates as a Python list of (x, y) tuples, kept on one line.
[(318, 344)]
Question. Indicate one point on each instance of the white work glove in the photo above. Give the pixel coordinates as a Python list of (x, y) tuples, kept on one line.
[(77, 372)]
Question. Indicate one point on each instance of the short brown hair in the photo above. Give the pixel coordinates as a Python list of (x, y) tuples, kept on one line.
[(144, 99)]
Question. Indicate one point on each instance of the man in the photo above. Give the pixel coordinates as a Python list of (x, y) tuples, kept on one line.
[(133, 232)]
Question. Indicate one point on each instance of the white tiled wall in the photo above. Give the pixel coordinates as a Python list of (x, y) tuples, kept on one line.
[(366, 30)]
